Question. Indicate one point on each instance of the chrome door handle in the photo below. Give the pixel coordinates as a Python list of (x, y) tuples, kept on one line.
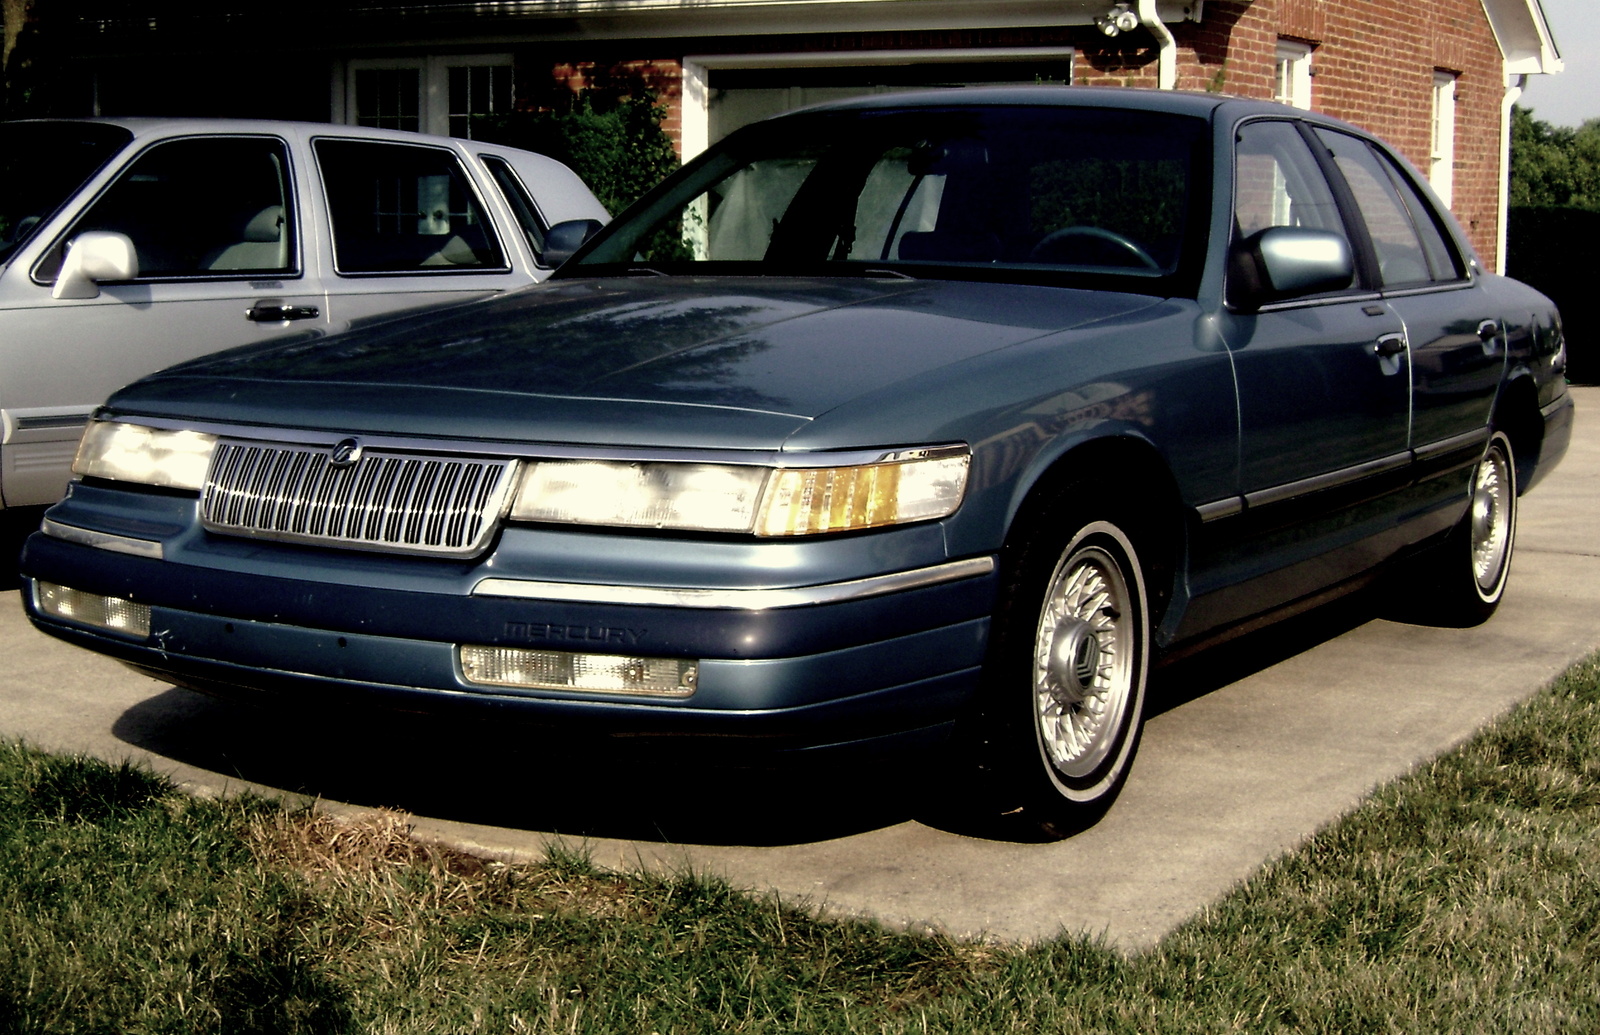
[(1489, 335), (277, 313), (1389, 345)]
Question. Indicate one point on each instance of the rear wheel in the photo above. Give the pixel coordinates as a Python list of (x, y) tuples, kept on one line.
[(1464, 579), (1067, 676)]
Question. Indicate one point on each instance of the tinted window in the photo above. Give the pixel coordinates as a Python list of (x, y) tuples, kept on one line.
[(519, 201), (198, 207), (1277, 182), (1402, 257), (41, 165), (397, 208), (1057, 189)]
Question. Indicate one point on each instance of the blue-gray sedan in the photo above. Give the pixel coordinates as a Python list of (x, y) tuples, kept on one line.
[(929, 417)]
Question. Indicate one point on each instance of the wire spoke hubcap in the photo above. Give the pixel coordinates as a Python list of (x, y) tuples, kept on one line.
[(1490, 520), (1083, 663)]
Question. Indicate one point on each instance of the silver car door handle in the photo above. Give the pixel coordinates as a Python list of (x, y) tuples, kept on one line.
[(1489, 335), (268, 313), (1389, 345)]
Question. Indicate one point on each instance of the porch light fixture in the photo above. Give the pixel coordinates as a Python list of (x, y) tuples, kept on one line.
[(1118, 20)]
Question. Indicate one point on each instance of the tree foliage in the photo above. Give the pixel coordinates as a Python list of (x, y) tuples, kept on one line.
[(1554, 166), (616, 144)]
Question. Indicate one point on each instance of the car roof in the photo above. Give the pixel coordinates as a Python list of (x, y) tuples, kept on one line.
[(1178, 102), (152, 127)]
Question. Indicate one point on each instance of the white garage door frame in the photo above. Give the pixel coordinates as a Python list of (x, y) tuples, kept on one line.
[(697, 69)]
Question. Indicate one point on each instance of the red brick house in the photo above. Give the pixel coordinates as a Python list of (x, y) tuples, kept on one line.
[(1435, 77)]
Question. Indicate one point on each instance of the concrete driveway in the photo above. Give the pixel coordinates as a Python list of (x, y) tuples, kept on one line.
[(1253, 747)]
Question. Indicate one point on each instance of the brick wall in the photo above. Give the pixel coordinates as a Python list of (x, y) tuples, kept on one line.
[(1374, 63)]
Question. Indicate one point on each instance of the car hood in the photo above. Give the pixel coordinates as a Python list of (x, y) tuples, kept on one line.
[(708, 362)]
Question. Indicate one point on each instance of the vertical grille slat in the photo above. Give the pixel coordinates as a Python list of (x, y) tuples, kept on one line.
[(403, 503)]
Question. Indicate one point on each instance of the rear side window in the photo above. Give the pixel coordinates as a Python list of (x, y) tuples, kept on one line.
[(1410, 247), (396, 208), (519, 201), (198, 207)]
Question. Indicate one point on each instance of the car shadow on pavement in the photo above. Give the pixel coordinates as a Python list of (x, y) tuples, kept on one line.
[(16, 525), (502, 776), (508, 776)]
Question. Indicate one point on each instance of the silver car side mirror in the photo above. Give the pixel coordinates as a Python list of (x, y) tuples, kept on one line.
[(1298, 261), (95, 257)]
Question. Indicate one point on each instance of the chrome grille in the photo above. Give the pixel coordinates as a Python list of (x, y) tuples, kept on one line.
[(397, 502)]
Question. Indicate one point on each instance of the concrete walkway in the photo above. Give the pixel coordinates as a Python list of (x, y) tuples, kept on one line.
[(1258, 744)]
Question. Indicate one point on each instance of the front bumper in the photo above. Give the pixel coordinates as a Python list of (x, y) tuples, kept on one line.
[(331, 629)]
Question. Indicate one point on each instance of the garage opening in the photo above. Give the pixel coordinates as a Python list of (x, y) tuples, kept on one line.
[(723, 92)]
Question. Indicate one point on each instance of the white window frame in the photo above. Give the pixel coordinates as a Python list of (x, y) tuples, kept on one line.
[(1292, 74), (696, 111), (433, 83), (1442, 160)]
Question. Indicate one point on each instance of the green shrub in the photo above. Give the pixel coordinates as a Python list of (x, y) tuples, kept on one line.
[(615, 143)]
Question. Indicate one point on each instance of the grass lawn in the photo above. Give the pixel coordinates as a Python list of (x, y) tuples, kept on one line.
[(1463, 898)]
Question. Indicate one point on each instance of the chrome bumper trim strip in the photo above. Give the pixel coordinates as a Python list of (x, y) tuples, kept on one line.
[(736, 599), (102, 540)]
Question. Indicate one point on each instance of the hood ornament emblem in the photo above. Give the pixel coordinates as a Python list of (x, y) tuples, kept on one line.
[(345, 453)]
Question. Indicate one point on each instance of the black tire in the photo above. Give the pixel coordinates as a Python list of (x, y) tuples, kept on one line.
[(1462, 581), (1068, 666)]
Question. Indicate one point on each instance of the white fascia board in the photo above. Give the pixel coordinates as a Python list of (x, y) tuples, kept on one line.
[(1526, 42), (636, 19)]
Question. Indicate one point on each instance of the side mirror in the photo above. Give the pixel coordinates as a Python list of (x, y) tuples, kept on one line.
[(94, 257), (561, 240), (1289, 261)]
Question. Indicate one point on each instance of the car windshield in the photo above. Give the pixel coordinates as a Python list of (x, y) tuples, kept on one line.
[(1016, 190), (41, 164)]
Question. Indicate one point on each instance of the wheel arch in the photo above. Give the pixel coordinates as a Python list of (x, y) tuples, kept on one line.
[(1516, 412), (1136, 488)]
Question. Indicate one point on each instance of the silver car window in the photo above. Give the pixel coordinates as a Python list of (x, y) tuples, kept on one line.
[(212, 206)]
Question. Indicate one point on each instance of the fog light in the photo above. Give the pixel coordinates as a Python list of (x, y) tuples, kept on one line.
[(559, 670), (113, 614)]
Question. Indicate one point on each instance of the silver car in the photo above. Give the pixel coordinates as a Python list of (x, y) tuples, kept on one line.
[(127, 245)]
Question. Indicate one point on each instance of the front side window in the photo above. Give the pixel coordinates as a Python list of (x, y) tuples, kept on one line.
[(1015, 191), (41, 165), (1277, 182), (199, 207), (397, 209)]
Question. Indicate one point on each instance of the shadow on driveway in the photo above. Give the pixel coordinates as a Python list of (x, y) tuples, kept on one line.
[(504, 776)]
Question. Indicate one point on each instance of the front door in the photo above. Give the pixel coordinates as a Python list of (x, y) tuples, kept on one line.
[(214, 224)]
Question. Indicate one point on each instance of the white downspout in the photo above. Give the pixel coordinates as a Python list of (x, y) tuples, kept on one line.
[(1167, 66), (1514, 85)]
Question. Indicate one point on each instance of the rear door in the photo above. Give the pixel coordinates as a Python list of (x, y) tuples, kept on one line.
[(1456, 340), (409, 228)]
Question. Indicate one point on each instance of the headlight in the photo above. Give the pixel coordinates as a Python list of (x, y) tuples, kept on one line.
[(149, 456), (919, 485)]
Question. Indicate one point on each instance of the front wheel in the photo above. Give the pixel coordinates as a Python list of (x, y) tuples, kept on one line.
[(1068, 674)]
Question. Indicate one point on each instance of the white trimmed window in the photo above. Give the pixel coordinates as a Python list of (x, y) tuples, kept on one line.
[(1293, 74), (424, 94), (1442, 163)]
